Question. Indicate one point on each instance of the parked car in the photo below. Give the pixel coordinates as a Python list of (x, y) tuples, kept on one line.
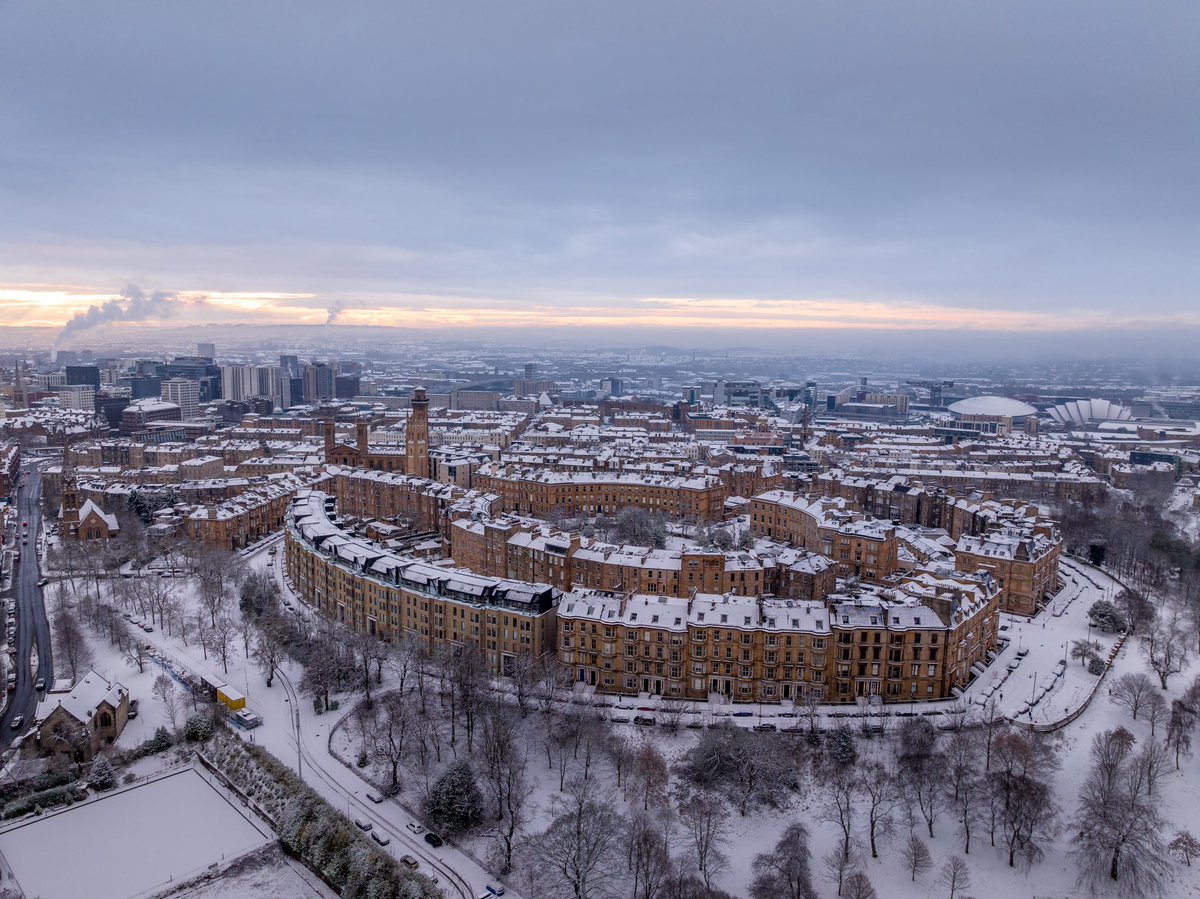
[(765, 728), (40, 685), (375, 797), (362, 824), (494, 889), (17, 722), (644, 720), (409, 862), (148, 628), (381, 838), (433, 839), (415, 827), (43, 582)]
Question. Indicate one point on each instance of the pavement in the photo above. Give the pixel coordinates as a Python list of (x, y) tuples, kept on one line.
[(33, 626)]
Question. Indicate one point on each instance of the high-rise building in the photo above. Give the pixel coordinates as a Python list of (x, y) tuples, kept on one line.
[(237, 382), (291, 364), (66, 357), (346, 387), (183, 393), (530, 371), (196, 368), (318, 382), (206, 351), (78, 396), (83, 374), (142, 386)]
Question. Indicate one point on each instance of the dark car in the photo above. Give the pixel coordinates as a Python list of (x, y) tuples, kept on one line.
[(433, 839)]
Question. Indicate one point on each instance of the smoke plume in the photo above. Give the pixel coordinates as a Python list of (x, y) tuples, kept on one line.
[(133, 305), (336, 308)]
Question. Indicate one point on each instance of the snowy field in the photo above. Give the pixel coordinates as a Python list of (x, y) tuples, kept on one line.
[(130, 842)]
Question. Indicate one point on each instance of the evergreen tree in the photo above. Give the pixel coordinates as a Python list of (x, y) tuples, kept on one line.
[(455, 803), (102, 775)]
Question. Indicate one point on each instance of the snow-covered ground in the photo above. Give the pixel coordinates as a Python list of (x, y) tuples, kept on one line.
[(131, 841)]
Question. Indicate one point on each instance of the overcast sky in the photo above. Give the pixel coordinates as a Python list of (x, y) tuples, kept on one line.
[(1002, 166)]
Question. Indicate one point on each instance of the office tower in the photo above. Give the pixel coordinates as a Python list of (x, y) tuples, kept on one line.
[(206, 351), (291, 364), (183, 393), (142, 386), (83, 374), (530, 371)]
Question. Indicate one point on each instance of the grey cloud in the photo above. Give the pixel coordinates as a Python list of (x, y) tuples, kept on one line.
[(1021, 153)]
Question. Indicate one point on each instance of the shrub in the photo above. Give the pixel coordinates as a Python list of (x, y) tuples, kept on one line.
[(1096, 666), (1106, 616), (198, 729), (36, 801)]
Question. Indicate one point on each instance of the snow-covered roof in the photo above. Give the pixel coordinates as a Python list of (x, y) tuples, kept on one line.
[(85, 697), (992, 405)]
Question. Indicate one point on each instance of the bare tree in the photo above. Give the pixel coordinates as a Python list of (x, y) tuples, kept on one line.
[(620, 754), (1156, 711), (785, 872), (955, 876), (579, 851), (552, 681), (916, 857), (135, 651), (1132, 691), (1117, 826), (221, 639), (881, 794), (650, 776), (839, 862), (1165, 647), (705, 822), (164, 689), (70, 643), (1179, 729), (268, 649), (647, 855), (858, 886), (842, 786), (386, 733), (1028, 815)]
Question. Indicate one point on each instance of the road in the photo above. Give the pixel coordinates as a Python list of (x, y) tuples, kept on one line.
[(32, 623)]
